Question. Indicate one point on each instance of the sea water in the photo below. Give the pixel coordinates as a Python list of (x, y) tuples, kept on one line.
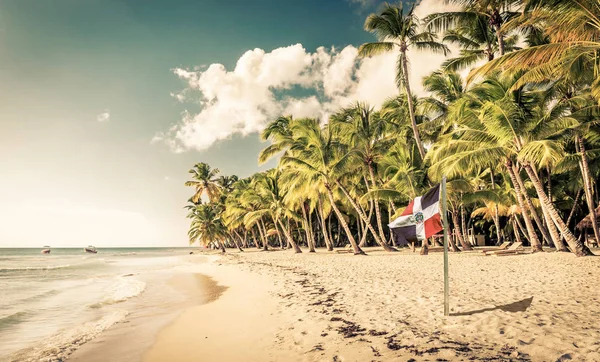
[(69, 296)]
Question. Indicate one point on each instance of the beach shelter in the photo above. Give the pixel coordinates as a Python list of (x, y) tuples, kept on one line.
[(585, 226)]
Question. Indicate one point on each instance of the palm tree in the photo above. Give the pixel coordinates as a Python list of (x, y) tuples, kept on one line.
[(573, 29), (445, 87), (278, 132), (488, 135), (397, 30), (207, 225), (499, 126), (320, 159), (477, 28), (272, 203), (365, 131), (204, 181), (235, 210)]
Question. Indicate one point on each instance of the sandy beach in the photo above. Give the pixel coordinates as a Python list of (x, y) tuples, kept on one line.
[(388, 306)]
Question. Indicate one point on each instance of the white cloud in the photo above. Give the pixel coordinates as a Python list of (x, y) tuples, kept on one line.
[(264, 85), (427, 7), (104, 116), (363, 3)]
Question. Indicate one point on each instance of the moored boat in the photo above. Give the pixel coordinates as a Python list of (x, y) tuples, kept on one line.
[(46, 250), (91, 249)]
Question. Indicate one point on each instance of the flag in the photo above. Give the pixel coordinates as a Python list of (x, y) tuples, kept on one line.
[(420, 219)]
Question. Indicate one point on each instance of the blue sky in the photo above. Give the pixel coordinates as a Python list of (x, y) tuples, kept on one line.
[(94, 148)]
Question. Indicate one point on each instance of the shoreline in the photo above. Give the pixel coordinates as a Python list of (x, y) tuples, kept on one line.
[(274, 306), (224, 329), (165, 298)]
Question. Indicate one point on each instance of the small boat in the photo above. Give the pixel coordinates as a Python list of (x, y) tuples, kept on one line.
[(46, 250), (91, 249)]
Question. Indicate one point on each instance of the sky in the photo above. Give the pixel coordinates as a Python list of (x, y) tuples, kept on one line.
[(106, 104)]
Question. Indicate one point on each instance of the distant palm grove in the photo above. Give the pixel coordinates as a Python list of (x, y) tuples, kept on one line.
[(517, 140)]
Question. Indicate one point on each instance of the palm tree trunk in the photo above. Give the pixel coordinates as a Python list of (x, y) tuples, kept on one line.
[(245, 243), (363, 240), (411, 109), (376, 201), (585, 172), (339, 232), (326, 236), (522, 229), (531, 208), (496, 213), (576, 246), (357, 249), (453, 245), (535, 242), (463, 223), (287, 241), (516, 229), (500, 41), (360, 232), (382, 243), (222, 246), (256, 244), (266, 237), (311, 231), (279, 236), (391, 210), (459, 235), (573, 208), (311, 247), (556, 239), (289, 238), (238, 242)]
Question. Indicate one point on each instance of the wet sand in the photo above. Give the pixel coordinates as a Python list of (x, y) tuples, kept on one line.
[(161, 303), (239, 325)]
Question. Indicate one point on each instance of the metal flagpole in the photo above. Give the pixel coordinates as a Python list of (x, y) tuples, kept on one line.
[(445, 225)]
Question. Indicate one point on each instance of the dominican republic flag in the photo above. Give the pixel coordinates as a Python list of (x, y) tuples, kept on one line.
[(419, 220)]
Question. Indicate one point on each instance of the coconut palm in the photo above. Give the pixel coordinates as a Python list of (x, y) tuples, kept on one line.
[(205, 182), (272, 204), (320, 159), (279, 133), (488, 135), (477, 28), (397, 29), (499, 126), (365, 131), (207, 225), (573, 29)]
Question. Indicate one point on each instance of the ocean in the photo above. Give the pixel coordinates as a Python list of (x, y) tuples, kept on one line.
[(52, 302)]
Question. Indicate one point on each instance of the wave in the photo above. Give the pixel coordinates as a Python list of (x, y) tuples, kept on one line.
[(33, 268), (33, 298), (120, 291), (12, 319), (64, 343), (37, 268)]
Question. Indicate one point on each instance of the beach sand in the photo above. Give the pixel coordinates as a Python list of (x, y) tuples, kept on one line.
[(280, 306)]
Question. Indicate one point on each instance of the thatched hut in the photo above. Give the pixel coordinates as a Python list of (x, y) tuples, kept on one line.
[(585, 225)]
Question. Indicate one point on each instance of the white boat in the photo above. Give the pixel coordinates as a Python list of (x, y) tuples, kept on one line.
[(91, 249), (46, 250)]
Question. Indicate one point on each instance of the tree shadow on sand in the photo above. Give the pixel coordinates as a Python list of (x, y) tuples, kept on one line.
[(519, 306)]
